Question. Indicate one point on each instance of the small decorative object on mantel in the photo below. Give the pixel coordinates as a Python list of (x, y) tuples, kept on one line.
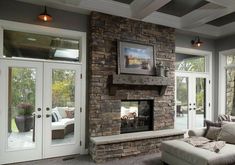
[(166, 71), (160, 70)]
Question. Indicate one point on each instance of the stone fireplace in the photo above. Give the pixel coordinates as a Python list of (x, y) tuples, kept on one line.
[(108, 90), (136, 115)]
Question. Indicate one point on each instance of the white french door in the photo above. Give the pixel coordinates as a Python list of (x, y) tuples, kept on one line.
[(63, 137), (192, 100), (30, 93)]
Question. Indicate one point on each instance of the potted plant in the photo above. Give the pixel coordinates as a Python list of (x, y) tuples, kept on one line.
[(24, 117)]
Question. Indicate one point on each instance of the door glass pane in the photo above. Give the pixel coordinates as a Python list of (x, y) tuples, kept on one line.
[(181, 103), (21, 107), (63, 107), (230, 91), (192, 63), (200, 101)]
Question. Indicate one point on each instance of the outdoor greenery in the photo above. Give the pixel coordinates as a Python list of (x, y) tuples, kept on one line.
[(63, 88), (23, 81), (196, 64), (24, 109)]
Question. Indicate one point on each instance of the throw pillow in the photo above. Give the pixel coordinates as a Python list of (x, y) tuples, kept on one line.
[(223, 118), (70, 114), (54, 117), (211, 124), (227, 133), (213, 133), (55, 110)]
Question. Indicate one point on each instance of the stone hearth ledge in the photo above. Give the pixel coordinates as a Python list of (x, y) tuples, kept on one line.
[(136, 136)]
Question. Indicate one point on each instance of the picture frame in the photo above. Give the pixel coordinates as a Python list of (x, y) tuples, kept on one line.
[(135, 58)]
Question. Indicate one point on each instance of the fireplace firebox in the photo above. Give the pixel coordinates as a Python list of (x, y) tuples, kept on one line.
[(136, 115)]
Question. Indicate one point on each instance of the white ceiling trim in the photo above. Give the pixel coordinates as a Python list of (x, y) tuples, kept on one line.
[(227, 29), (203, 15), (163, 19), (226, 3), (107, 6), (141, 9), (206, 30)]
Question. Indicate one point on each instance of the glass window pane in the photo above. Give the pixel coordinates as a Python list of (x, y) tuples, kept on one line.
[(181, 121), (200, 101), (192, 63), (230, 59), (28, 45), (21, 103), (230, 82), (63, 107)]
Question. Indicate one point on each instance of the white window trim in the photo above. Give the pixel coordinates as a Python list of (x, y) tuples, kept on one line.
[(222, 80), (206, 74), (43, 30)]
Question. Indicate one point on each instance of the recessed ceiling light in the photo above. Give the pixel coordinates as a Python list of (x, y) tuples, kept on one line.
[(31, 39)]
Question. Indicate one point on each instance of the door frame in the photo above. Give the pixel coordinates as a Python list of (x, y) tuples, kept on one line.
[(57, 32), (207, 74)]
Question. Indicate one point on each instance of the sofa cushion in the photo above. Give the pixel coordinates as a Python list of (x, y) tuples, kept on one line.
[(198, 156), (213, 133), (228, 133), (62, 111), (211, 124), (61, 124)]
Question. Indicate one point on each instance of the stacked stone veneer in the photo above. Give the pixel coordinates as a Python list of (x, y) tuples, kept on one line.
[(104, 109)]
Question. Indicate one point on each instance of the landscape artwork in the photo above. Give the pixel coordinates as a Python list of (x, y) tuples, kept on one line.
[(136, 58)]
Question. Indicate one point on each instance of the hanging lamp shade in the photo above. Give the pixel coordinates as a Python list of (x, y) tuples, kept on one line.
[(45, 16)]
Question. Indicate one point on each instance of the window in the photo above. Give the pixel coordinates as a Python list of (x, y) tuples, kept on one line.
[(230, 84), (191, 63), (29, 45)]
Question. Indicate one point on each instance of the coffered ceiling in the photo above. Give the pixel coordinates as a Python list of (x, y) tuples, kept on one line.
[(214, 18)]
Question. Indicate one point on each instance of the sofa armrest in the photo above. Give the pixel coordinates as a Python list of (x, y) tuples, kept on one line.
[(197, 132)]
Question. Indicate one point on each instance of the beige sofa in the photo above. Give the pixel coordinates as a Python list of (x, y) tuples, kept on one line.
[(178, 152), (64, 126)]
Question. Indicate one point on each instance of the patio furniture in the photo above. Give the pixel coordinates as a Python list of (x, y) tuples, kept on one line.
[(179, 111)]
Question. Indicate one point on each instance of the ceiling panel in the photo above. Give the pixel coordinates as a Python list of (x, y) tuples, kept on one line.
[(223, 20), (125, 1), (181, 7)]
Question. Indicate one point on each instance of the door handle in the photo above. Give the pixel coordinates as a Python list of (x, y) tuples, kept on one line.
[(39, 109), (194, 108), (47, 108), (190, 109), (39, 116), (48, 115)]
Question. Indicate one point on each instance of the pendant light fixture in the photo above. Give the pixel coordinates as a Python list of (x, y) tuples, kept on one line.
[(196, 42), (45, 16)]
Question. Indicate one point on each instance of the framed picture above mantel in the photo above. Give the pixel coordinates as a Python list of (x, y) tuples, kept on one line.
[(135, 58)]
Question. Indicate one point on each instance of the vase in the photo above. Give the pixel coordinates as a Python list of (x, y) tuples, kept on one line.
[(24, 123)]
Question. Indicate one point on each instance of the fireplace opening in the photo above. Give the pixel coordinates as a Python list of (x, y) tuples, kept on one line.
[(136, 115)]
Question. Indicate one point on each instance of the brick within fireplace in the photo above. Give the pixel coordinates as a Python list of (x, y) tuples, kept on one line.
[(136, 115)]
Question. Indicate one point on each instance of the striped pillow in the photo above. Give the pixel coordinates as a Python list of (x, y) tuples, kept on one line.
[(54, 117), (224, 118)]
